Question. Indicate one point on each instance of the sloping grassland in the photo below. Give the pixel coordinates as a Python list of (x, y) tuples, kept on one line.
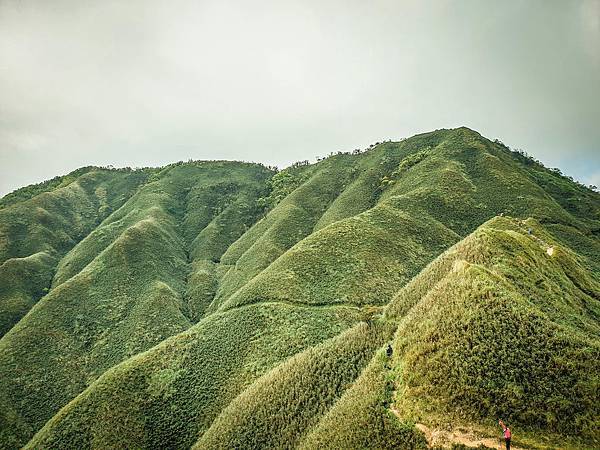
[(226, 305)]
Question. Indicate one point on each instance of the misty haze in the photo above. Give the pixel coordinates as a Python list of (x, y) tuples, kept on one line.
[(300, 224)]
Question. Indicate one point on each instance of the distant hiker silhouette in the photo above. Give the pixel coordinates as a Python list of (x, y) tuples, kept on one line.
[(389, 350), (506, 433)]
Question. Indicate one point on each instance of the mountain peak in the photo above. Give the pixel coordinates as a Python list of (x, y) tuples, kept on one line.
[(221, 304)]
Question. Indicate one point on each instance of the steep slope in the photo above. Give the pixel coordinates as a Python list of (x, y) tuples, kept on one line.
[(501, 326), (443, 186), (39, 224), (290, 221), (278, 408), (494, 327), (191, 299), (361, 418), (168, 396), (122, 290), (362, 261)]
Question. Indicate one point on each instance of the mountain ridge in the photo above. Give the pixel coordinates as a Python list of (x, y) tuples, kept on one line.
[(292, 258)]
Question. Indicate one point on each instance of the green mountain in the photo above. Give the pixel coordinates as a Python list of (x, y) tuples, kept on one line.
[(227, 305)]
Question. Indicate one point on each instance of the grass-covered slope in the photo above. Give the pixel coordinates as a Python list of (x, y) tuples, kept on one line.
[(501, 327), (439, 188), (23, 281), (55, 220), (176, 298), (39, 224), (193, 195), (292, 219), (362, 260), (120, 291), (166, 397), (280, 407), (361, 418)]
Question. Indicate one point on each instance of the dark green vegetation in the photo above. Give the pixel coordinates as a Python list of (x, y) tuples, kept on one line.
[(280, 407), (166, 397), (226, 305), (37, 230)]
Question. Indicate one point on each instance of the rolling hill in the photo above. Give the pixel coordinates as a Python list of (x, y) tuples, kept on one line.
[(215, 304)]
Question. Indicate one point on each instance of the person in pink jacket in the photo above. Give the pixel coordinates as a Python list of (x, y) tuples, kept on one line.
[(506, 433)]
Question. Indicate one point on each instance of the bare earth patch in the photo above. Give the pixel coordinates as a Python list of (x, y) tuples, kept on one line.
[(465, 436)]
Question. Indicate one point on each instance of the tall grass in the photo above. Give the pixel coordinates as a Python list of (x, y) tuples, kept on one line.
[(281, 406), (499, 328), (362, 418), (125, 288), (210, 297), (38, 226), (167, 397)]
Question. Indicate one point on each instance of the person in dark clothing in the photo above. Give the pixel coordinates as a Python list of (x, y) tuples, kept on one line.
[(389, 350), (506, 433)]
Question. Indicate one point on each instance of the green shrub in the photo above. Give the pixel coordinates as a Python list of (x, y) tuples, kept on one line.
[(281, 185)]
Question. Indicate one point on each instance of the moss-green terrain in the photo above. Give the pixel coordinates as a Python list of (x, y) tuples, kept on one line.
[(215, 304)]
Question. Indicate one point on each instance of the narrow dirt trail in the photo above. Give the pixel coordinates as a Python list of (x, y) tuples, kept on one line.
[(523, 226), (461, 435)]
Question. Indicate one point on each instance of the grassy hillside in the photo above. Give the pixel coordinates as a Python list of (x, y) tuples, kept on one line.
[(498, 327), (38, 226), (361, 418), (121, 290), (292, 219), (166, 397), (223, 304), (361, 261), (440, 187), (282, 405), (28, 192)]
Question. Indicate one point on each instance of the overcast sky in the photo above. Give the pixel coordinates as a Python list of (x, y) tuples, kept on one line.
[(148, 82)]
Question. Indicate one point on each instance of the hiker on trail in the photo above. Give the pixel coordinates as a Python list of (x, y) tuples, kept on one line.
[(389, 350), (507, 434)]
